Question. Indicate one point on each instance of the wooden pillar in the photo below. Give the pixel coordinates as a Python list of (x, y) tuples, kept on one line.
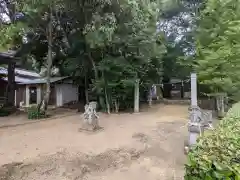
[(182, 89), (136, 96), (11, 84)]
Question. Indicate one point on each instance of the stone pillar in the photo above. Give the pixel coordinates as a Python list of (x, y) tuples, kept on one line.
[(195, 127), (27, 103), (39, 93), (136, 96), (193, 89), (194, 103)]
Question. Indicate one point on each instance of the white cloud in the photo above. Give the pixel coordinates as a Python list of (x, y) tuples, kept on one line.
[(4, 17)]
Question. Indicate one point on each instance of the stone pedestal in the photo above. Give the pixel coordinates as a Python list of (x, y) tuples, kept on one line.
[(207, 117), (87, 126), (194, 132)]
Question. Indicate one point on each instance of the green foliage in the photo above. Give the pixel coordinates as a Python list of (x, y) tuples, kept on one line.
[(119, 45), (135, 50), (108, 44), (35, 113), (217, 153), (233, 113), (10, 35), (217, 60), (4, 112), (178, 23)]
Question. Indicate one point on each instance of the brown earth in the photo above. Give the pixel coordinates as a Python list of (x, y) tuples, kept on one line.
[(148, 145)]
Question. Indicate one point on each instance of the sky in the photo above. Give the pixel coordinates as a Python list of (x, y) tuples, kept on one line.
[(4, 18)]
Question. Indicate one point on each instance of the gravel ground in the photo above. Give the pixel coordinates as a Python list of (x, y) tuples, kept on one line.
[(148, 145)]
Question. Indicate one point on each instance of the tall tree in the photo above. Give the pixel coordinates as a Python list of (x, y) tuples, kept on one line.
[(217, 60), (178, 22), (121, 44), (106, 43)]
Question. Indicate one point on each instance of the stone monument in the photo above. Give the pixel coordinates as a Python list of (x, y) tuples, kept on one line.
[(198, 119), (90, 117)]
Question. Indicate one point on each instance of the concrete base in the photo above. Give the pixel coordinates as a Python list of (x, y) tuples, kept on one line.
[(90, 130), (195, 129), (193, 138)]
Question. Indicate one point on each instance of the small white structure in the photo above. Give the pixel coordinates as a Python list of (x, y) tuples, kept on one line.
[(62, 91), (66, 93), (30, 88)]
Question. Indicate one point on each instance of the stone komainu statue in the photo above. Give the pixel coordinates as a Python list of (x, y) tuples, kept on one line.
[(91, 119)]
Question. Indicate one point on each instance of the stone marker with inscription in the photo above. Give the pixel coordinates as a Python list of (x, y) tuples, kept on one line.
[(90, 118), (198, 119)]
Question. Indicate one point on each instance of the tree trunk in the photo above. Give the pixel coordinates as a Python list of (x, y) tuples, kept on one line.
[(105, 94), (100, 98), (116, 104), (49, 62), (93, 64), (107, 101), (86, 87), (150, 97), (40, 105)]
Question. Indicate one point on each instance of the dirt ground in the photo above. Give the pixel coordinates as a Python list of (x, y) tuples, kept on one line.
[(147, 145)]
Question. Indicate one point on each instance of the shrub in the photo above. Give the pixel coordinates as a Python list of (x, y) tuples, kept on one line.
[(217, 153), (34, 113), (234, 112), (4, 112)]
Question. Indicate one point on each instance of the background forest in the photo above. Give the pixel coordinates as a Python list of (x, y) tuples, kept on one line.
[(106, 45)]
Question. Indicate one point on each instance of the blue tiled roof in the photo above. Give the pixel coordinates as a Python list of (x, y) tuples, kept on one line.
[(44, 80), (20, 72)]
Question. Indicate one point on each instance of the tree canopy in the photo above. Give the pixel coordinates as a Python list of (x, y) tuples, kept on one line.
[(218, 44), (104, 44), (178, 22)]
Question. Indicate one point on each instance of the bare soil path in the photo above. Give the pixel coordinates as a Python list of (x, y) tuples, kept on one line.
[(148, 145)]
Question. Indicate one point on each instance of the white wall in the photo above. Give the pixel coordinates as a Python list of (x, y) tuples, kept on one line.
[(59, 101), (66, 93), (39, 94), (27, 103)]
